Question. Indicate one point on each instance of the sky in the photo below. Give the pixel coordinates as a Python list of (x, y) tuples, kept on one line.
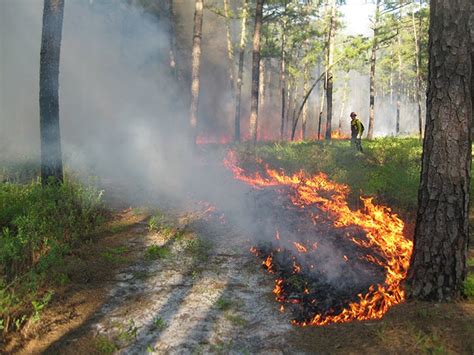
[(357, 15)]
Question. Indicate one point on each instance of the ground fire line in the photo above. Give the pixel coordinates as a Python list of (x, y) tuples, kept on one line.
[(333, 264)]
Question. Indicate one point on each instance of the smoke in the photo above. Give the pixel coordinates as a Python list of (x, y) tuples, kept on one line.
[(121, 113)]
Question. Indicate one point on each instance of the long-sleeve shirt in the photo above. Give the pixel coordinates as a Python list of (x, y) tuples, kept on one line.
[(356, 127)]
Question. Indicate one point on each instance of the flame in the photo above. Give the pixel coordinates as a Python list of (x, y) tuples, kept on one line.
[(268, 264), (338, 135), (300, 247), (383, 229)]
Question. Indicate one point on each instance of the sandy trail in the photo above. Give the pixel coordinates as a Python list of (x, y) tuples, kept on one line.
[(214, 298)]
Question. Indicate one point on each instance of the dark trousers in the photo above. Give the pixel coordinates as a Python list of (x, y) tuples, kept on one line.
[(356, 143)]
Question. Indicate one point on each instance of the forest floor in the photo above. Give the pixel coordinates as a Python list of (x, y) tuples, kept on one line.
[(205, 293), (182, 281)]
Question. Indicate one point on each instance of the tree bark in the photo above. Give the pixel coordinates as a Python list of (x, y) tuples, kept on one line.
[(230, 50), (261, 88), (240, 75), (321, 110), (373, 62), (438, 264), (329, 75), (51, 157), (196, 66), (418, 75), (283, 83), (399, 84), (305, 104), (283, 73), (255, 71), (172, 39)]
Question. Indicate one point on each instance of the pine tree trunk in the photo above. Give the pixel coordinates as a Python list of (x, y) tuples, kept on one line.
[(240, 75), (172, 39), (196, 66), (51, 157), (399, 86), (329, 75), (373, 62), (305, 107), (438, 265), (418, 75), (283, 83), (391, 78), (230, 50), (261, 88), (321, 110), (255, 71)]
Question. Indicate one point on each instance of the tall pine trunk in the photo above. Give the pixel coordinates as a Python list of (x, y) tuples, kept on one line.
[(321, 110), (438, 264), (172, 40), (417, 71), (399, 85), (330, 61), (373, 62), (196, 66), (305, 107), (255, 71), (230, 50), (282, 83), (240, 75), (51, 157)]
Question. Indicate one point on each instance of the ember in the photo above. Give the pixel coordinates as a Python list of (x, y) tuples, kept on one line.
[(357, 259)]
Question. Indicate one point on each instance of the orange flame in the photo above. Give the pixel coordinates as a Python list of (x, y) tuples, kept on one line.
[(383, 229), (300, 247)]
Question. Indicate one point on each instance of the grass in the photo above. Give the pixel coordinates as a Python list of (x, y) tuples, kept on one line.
[(199, 249), (39, 226), (157, 252), (159, 323), (105, 346), (469, 286), (115, 255), (223, 304), (388, 169)]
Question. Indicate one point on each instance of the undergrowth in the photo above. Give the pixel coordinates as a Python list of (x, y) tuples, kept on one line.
[(39, 226), (389, 168)]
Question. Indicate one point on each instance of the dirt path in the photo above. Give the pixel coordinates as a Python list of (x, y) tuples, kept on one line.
[(191, 287), (187, 284)]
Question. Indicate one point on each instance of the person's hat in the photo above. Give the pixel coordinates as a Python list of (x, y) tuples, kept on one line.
[(353, 114)]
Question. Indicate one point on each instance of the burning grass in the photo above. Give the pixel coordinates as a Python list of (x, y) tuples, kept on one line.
[(333, 264)]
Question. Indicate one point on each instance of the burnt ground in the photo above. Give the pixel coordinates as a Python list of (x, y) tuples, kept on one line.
[(192, 286)]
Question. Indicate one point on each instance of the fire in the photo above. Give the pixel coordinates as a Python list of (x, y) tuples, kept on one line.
[(383, 230), (300, 247), (338, 135)]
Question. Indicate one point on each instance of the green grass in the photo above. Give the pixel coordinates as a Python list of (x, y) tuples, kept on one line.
[(105, 346), (115, 255), (199, 249), (223, 304), (159, 323), (157, 252), (469, 286), (39, 226), (389, 168)]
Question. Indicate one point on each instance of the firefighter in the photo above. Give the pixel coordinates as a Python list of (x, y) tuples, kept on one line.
[(357, 128)]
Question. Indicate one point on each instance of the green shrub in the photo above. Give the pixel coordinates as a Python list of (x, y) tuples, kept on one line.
[(38, 227)]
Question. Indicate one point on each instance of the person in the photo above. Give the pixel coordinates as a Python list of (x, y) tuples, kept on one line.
[(357, 128)]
